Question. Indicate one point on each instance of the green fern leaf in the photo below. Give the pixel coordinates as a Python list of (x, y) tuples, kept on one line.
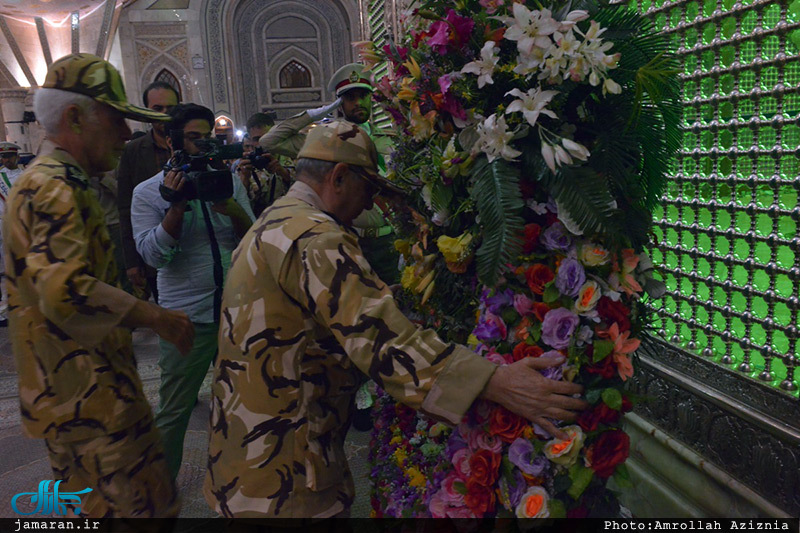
[(497, 196)]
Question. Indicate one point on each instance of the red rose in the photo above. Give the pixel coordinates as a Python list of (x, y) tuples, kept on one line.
[(590, 419), (538, 276), (532, 232), (506, 425), (540, 309), (484, 467), (523, 350), (606, 368), (626, 405), (609, 450), (612, 311), (479, 498)]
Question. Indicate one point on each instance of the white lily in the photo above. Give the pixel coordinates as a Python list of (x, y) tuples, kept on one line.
[(549, 156), (531, 104), (572, 18), (611, 86), (530, 28), (494, 139), (484, 67), (576, 150)]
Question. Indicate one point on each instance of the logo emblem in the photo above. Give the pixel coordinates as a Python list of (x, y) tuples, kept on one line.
[(47, 502), (354, 76)]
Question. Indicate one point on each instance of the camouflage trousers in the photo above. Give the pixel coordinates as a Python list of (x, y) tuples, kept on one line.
[(126, 471)]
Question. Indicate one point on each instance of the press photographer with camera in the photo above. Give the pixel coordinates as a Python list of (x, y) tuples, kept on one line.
[(187, 219), (261, 173)]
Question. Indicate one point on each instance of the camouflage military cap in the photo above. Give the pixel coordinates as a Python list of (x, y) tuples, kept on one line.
[(350, 76), (8, 148), (341, 141), (94, 77)]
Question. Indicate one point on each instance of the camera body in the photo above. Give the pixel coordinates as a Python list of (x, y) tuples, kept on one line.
[(259, 158), (201, 183)]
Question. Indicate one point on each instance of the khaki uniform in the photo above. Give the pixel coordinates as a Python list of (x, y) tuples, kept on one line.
[(304, 317), (78, 384)]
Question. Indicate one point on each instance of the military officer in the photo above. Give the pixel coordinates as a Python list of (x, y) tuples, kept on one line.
[(304, 318), (70, 322), (10, 170), (353, 87)]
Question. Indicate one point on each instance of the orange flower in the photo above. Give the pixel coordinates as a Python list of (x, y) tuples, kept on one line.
[(622, 347)]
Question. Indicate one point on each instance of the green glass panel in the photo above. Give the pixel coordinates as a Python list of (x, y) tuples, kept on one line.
[(672, 216), (706, 140), (788, 197), (726, 111), (762, 252), (787, 228), (687, 263), (738, 301), (767, 137), (669, 326), (703, 267), (760, 308), (723, 217), (658, 212), (726, 83), (728, 27), (720, 274), (743, 194), (661, 20), (707, 87), (769, 105), (686, 288), (739, 275), (749, 22), (745, 139), (725, 165), (765, 167), (785, 256), (674, 18), (685, 332), (670, 305), (741, 250), (791, 102), (770, 47), (702, 338), (706, 113), (690, 40), (704, 243), (706, 166), (727, 55), (706, 191), (689, 89), (790, 167), (771, 16), (783, 285), (737, 326), (790, 136), (703, 293), (656, 256), (793, 13), (708, 58), (671, 259), (764, 196), (690, 140), (671, 282), (779, 342), (692, 10), (688, 215), (720, 299), (781, 315), (745, 108), (761, 280), (793, 44), (757, 334), (709, 6), (747, 52), (763, 225), (742, 221)]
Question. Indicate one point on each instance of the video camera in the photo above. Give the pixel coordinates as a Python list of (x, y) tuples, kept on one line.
[(201, 183)]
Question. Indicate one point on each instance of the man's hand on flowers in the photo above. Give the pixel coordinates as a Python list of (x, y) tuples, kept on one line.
[(520, 388)]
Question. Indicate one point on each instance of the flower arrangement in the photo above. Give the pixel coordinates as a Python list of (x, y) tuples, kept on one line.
[(535, 141)]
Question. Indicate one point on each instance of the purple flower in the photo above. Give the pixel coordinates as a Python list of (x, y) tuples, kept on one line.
[(513, 490), (521, 455), (496, 303), (552, 372), (558, 326), (490, 328), (522, 304), (570, 277), (556, 238), (454, 31)]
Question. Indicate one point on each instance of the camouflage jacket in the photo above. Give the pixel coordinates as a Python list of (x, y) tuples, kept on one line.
[(77, 374), (304, 317)]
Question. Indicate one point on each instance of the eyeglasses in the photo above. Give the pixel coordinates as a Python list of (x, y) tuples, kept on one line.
[(358, 171)]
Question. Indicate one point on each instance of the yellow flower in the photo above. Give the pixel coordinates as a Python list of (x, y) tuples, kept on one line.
[(454, 249), (416, 479), (472, 341), (408, 279), (403, 247), (396, 440), (422, 125), (399, 456), (407, 90), (413, 67)]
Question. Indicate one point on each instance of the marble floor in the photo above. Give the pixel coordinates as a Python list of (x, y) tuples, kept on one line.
[(23, 461)]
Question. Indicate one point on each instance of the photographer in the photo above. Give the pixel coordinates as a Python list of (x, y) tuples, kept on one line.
[(186, 223), (262, 175)]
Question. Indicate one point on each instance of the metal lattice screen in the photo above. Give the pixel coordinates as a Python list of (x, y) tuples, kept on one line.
[(727, 230)]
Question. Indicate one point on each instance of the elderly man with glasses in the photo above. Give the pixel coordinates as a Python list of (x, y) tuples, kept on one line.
[(190, 243), (305, 318)]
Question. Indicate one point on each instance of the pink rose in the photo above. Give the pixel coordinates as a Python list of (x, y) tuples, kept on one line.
[(522, 304), (478, 439), (451, 495), (461, 462), (497, 358)]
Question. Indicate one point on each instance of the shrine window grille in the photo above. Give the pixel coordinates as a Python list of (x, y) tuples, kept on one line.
[(294, 76), (169, 78), (726, 231)]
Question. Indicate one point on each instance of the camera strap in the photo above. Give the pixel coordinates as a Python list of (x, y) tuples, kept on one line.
[(218, 281)]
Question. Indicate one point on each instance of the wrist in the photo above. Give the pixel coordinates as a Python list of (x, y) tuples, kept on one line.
[(495, 387)]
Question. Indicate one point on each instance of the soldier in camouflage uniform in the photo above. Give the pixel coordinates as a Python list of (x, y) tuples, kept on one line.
[(304, 318), (70, 321)]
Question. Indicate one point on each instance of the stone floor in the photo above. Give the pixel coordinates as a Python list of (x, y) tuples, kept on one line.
[(23, 461)]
